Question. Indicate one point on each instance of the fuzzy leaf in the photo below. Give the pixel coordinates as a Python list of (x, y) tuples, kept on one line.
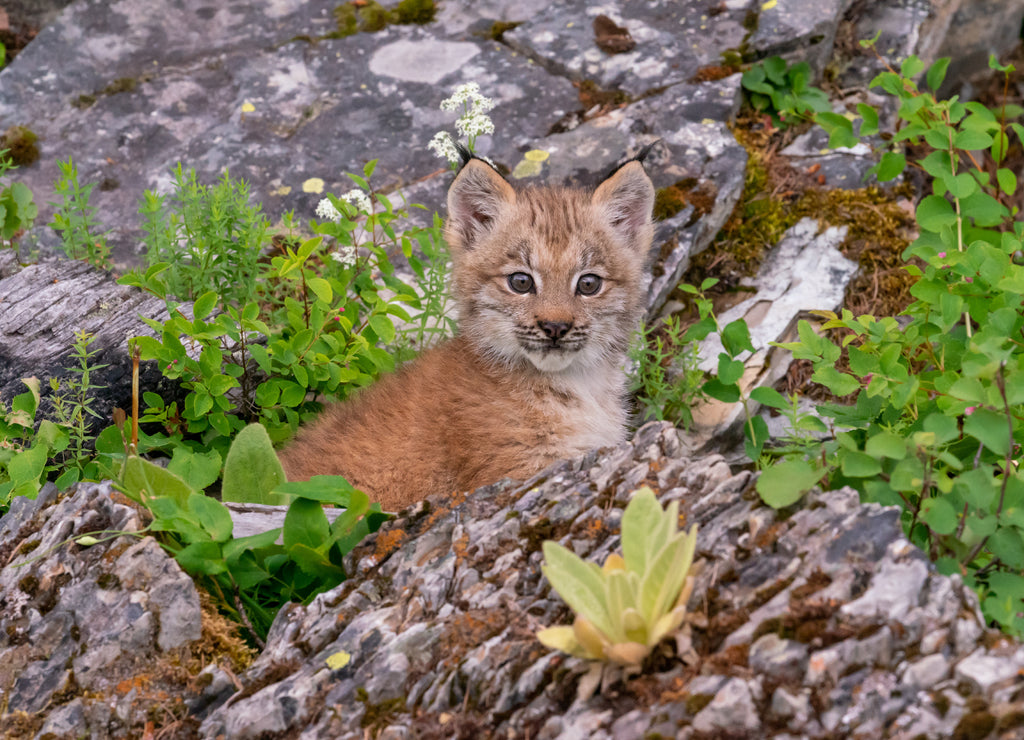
[(252, 470), (581, 587)]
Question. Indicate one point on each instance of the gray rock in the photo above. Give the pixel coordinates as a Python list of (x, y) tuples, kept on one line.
[(985, 673), (803, 30), (778, 658), (927, 671), (732, 711)]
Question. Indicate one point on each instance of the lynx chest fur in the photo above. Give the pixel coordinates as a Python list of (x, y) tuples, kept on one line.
[(549, 289)]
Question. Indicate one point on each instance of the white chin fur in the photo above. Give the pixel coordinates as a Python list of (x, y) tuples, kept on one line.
[(551, 362)]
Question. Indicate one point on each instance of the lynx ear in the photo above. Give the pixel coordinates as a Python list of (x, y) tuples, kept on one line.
[(626, 198), (475, 200)]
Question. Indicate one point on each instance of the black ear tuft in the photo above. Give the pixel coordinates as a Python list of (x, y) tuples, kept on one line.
[(464, 154), (639, 157)]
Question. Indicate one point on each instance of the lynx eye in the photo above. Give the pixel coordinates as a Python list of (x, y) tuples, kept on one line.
[(588, 284), (520, 282)]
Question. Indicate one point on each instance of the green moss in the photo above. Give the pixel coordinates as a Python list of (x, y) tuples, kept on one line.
[(414, 11), (21, 145), (120, 85), (373, 17), (346, 20), (499, 28), (83, 101), (379, 715)]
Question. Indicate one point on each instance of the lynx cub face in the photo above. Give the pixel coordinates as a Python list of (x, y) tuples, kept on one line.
[(551, 277), (549, 287)]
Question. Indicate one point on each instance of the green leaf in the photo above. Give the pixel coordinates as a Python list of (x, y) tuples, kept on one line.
[(787, 481), (252, 470), (382, 327), (912, 66), (314, 563), (142, 479), (198, 469), (972, 140), (937, 73), (939, 515), (329, 489), (736, 338), (305, 523), (578, 583), (202, 557), (869, 126), (770, 397), (322, 288), (860, 465), (205, 304), (891, 166), (642, 516), (886, 444), (840, 383), (212, 515), (1007, 545), (729, 370), (721, 392), (27, 466), (990, 429), (1007, 180), (934, 212)]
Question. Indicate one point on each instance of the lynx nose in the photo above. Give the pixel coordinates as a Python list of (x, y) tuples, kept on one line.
[(555, 329)]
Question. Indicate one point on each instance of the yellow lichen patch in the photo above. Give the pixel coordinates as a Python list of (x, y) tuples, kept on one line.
[(313, 185), (536, 155), (248, 107), (337, 661)]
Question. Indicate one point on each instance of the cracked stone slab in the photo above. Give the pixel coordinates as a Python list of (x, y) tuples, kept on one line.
[(673, 41), (801, 30), (289, 116), (804, 272)]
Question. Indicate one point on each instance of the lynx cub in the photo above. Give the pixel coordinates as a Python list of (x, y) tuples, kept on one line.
[(549, 290)]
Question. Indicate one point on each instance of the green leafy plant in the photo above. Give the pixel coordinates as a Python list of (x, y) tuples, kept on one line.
[(784, 92), (209, 237), (625, 608), (25, 451), (317, 322), (252, 577), (937, 424), (75, 219), (664, 376), (17, 207)]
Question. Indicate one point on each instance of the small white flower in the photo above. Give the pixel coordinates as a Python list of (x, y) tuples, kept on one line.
[(463, 93), (443, 146), (474, 125), (344, 256), (326, 211), (359, 199)]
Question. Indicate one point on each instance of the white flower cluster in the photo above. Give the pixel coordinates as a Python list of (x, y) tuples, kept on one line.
[(326, 211), (359, 199), (468, 95), (472, 122), (344, 256), (444, 147)]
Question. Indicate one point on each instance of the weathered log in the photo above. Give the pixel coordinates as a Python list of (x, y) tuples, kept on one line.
[(41, 307), (250, 519)]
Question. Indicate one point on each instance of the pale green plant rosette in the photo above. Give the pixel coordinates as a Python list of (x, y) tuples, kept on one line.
[(625, 608)]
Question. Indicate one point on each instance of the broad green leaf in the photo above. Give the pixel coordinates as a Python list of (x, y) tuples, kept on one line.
[(640, 518), (860, 465), (305, 523), (1007, 545), (736, 338), (787, 481), (198, 469), (252, 470), (886, 444), (722, 392), (580, 586), (937, 73), (329, 489), (311, 561), (205, 304), (212, 515), (840, 383), (990, 429), (940, 515), (770, 397), (934, 212), (142, 479), (382, 327), (202, 557), (28, 465), (322, 288), (729, 370), (890, 166)]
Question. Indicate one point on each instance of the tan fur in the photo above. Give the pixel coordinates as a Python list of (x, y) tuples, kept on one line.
[(504, 398)]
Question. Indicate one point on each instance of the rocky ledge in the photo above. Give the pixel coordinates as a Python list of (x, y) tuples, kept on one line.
[(816, 622)]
